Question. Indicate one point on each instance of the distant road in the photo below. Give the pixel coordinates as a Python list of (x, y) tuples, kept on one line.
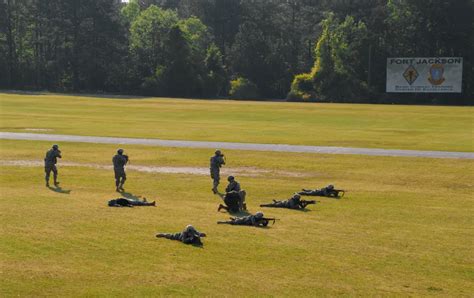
[(235, 146)]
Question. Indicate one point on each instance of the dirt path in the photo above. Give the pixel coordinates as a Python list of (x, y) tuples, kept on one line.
[(235, 146), (242, 171)]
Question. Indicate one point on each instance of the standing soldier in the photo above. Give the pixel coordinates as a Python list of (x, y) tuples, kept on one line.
[(119, 161), (50, 164), (216, 163)]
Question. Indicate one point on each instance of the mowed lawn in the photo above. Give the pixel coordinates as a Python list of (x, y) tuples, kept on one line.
[(404, 228), (348, 125)]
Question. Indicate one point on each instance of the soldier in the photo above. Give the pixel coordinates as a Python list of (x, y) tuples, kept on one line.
[(189, 236), (119, 161), (232, 202), (215, 167), (294, 202), (257, 220), (123, 202), (234, 193), (327, 191), (50, 164)]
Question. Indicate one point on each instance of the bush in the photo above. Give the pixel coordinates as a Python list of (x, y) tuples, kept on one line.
[(302, 88), (242, 88)]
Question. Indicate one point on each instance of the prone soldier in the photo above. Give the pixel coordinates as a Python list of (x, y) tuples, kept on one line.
[(328, 191), (257, 220), (119, 161), (295, 202), (50, 161), (215, 167), (123, 202), (189, 236)]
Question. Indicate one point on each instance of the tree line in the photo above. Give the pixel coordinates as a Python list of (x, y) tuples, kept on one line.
[(308, 50)]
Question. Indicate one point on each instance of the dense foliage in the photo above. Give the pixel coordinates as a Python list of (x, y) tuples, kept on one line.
[(303, 50)]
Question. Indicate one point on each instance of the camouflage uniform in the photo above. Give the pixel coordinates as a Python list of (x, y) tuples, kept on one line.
[(294, 202), (216, 163), (327, 191), (234, 186), (251, 220), (119, 161), (189, 236), (123, 202), (50, 161), (231, 201)]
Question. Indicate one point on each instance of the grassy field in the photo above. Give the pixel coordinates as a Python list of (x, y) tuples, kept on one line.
[(348, 125), (404, 228)]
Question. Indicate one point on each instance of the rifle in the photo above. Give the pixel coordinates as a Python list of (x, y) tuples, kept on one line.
[(304, 203), (267, 220)]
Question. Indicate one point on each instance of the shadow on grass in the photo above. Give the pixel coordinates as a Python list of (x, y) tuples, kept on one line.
[(97, 95), (130, 196), (198, 245), (248, 226), (300, 210), (59, 189)]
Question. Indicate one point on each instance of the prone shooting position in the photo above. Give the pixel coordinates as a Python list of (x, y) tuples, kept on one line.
[(328, 191), (257, 220), (294, 202), (189, 236)]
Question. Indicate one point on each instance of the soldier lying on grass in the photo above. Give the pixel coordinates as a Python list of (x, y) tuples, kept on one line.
[(328, 191), (123, 202), (189, 236), (257, 220), (294, 202)]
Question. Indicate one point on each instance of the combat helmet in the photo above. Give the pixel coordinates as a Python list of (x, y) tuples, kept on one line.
[(120, 151), (55, 147), (190, 228), (259, 214)]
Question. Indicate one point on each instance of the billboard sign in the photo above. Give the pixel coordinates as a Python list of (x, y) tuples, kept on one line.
[(424, 75)]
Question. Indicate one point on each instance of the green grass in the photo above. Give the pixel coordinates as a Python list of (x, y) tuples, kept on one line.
[(405, 227), (371, 126)]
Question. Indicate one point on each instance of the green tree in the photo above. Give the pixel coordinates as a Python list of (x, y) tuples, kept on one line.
[(216, 76), (338, 74)]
